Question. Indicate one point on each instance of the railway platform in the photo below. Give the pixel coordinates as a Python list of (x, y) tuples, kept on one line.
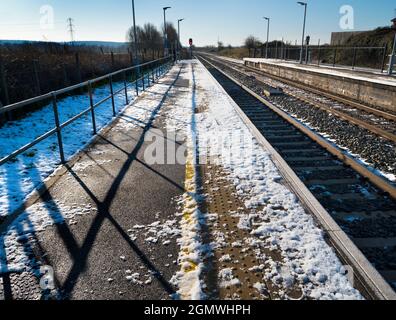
[(365, 74), (178, 199), (370, 88)]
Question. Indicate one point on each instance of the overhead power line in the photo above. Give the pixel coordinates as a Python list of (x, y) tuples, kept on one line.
[(71, 29)]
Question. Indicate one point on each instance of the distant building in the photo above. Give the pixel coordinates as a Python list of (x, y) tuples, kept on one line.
[(340, 38), (394, 23)]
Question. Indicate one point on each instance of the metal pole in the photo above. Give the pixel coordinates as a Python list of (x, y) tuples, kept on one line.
[(268, 30), (92, 106), (178, 36), (303, 35), (112, 95), (126, 88), (384, 57), (392, 57), (135, 36), (165, 33), (319, 52), (58, 128)]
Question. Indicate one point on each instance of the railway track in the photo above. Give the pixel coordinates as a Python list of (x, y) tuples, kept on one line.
[(369, 137), (316, 97), (357, 202)]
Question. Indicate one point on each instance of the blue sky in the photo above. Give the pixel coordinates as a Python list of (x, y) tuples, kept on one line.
[(206, 20)]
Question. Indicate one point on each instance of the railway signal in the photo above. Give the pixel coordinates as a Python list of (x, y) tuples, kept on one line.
[(191, 42)]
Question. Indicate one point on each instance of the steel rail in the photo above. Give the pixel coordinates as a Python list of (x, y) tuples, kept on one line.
[(377, 180), (357, 105), (352, 103), (363, 124), (369, 279)]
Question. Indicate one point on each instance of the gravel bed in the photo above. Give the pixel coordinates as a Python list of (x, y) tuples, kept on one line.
[(370, 228), (374, 150), (345, 202), (385, 259)]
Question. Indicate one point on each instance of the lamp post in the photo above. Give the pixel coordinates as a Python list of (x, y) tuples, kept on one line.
[(268, 30), (178, 35), (303, 35), (165, 32), (135, 34)]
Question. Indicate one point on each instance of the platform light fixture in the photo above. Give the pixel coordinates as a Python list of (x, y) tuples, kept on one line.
[(135, 34), (178, 34), (165, 31), (268, 30), (303, 35)]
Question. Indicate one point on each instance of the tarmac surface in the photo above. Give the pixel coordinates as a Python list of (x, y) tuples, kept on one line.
[(93, 254)]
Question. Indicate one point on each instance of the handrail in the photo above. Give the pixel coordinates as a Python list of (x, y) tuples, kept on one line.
[(26, 102), (156, 71)]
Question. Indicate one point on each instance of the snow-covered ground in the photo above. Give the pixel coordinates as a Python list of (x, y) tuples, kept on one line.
[(231, 59), (218, 133), (15, 244), (18, 178), (306, 255), (340, 72)]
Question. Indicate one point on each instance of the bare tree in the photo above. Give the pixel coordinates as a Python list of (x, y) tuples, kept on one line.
[(151, 39), (251, 42), (131, 38), (171, 34)]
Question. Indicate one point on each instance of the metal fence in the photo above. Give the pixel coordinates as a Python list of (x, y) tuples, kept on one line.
[(24, 77), (341, 56), (138, 76)]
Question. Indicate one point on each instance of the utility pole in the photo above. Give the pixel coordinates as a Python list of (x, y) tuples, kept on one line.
[(178, 35), (165, 32), (136, 40), (303, 35), (71, 29), (268, 30)]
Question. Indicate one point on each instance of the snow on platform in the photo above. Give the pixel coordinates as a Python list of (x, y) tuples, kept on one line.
[(20, 177), (100, 223), (222, 135), (200, 110), (367, 76)]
